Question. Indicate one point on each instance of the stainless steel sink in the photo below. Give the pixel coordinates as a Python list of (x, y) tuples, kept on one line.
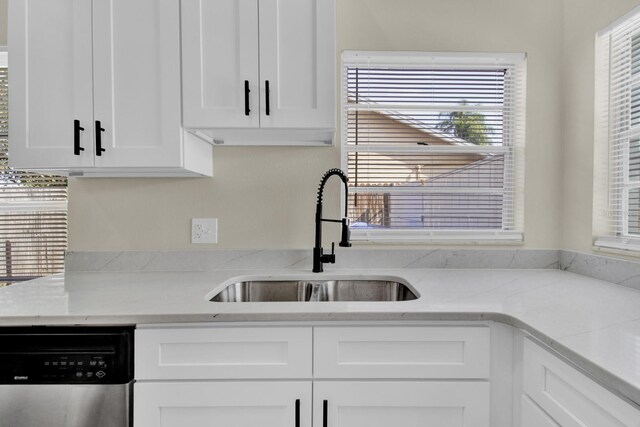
[(315, 290), (261, 290), (364, 290)]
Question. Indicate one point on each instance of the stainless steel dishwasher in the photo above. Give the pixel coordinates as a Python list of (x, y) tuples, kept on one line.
[(66, 376)]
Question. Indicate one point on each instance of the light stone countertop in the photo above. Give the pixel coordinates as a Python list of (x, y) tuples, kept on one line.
[(593, 323)]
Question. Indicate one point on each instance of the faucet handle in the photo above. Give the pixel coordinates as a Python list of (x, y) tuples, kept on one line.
[(326, 258)]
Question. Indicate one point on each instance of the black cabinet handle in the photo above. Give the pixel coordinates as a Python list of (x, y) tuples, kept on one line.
[(266, 90), (246, 98), (76, 137), (297, 412), (325, 410), (99, 130)]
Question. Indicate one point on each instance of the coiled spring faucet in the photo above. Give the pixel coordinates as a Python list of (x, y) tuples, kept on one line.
[(319, 257)]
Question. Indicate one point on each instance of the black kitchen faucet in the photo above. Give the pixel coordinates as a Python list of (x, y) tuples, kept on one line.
[(319, 257)]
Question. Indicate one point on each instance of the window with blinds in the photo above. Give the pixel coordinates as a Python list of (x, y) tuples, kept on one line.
[(33, 211), (433, 145), (618, 71)]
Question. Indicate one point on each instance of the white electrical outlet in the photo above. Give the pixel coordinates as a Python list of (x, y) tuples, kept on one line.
[(204, 230)]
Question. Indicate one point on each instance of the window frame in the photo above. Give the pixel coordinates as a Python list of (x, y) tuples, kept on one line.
[(612, 182), (514, 195)]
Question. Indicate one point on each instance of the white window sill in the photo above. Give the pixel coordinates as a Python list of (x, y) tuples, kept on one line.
[(626, 244)]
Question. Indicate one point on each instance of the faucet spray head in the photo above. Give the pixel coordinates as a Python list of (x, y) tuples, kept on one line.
[(346, 234)]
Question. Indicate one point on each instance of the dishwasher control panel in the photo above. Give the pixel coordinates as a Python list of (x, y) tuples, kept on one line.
[(58, 367), (76, 367), (66, 355)]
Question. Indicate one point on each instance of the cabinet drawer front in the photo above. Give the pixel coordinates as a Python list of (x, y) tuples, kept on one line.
[(569, 397), (220, 353), (397, 403), (401, 352)]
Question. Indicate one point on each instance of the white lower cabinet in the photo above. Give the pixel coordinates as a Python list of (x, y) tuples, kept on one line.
[(224, 404), (533, 416), (327, 375), (398, 403), (556, 394), (239, 376)]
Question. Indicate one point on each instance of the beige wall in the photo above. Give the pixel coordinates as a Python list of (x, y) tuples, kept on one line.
[(582, 19), (264, 197)]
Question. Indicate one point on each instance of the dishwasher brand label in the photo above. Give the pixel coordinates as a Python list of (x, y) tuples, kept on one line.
[(20, 378)]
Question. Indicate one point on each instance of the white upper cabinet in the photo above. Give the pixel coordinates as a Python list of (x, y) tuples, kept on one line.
[(95, 89), (50, 97), (220, 54), (136, 54), (265, 67), (297, 63)]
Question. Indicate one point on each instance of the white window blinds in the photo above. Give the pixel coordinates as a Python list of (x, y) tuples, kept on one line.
[(433, 145), (618, 73), (33, 211)]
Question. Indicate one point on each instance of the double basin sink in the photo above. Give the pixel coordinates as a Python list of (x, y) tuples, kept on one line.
[(266, 290)]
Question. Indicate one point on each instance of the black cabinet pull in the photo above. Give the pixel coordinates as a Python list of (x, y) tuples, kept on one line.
[(76, 137), (266, 91), (99, 130), (246, 98), (325, 410), (297, 412)]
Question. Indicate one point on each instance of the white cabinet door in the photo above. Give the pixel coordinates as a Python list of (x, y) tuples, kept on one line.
[(297, 59), (50, 76), (283, 51), (531, 415), (225, 404), (220, 54), (136, 52), (384, 404), (568, 396)]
